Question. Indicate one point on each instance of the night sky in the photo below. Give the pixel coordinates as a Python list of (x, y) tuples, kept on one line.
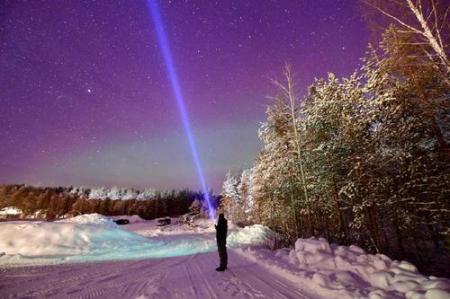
[(85, 100)]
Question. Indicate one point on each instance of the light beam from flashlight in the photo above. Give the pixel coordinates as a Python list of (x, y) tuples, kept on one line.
[(176, 89)]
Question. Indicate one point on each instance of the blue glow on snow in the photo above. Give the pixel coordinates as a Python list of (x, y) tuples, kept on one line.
[(92, 242), (176, 89), (73, 241)]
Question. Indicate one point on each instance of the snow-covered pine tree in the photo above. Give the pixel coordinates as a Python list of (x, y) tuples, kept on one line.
[(230, 196), (285, 194)]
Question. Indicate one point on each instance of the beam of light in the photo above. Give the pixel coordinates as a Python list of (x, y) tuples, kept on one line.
[(176, 89)]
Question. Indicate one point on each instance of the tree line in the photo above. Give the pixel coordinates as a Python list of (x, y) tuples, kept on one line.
[(363, 159), (56, 202)]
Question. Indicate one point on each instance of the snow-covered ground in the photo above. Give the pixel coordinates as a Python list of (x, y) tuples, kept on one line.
[(91, 256), (93, 237)]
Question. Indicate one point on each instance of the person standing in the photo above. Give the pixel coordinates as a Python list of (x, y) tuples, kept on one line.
[(221, 237)]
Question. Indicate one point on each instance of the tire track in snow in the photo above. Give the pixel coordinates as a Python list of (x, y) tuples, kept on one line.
[(261, 282), (205, 280), (178, 277)]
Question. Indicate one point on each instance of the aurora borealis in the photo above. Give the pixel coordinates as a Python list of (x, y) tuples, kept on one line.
[(84, 98)]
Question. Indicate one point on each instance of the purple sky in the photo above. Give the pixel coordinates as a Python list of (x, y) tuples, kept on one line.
[(84, 97)]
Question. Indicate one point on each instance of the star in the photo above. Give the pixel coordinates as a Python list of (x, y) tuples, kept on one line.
[(90, 77)]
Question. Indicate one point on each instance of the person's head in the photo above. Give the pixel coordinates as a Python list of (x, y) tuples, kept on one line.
[(221, 216)]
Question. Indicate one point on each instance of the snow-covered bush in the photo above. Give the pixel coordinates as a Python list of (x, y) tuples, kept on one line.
[(10, 212), (250, 235)]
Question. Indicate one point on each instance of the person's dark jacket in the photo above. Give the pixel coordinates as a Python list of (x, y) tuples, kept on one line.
[(221, 230)]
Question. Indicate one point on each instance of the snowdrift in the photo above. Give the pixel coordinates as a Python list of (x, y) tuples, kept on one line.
[(352, 266), (89, 219), (83, 235), (90, 237), (335, 271)]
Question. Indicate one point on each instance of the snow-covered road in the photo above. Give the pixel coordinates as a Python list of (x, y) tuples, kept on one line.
[(89, 256), (192, 276)]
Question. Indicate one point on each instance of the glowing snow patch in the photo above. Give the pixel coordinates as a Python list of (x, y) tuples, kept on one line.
[(79, 240)]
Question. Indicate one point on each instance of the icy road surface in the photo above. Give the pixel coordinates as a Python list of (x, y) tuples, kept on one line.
[(192, 276)]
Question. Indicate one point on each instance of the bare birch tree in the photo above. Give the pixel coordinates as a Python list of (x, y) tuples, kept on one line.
[(427, 21)]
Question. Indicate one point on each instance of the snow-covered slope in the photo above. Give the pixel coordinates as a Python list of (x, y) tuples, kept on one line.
[(86, 236)]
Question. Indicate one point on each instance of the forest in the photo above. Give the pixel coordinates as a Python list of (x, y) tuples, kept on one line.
[(362, 159), (58, 202)]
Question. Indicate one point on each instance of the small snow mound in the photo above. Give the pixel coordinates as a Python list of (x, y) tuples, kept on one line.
[(356, 249), (408, 267), (250, 235), (135, 219), (313, 245), (437, 294), (320, 279), (204, 223), (89, 219)]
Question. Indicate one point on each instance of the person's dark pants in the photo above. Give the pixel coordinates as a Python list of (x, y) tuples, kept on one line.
[(222, 247)]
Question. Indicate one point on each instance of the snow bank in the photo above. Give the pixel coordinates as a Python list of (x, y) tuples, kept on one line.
[(250, 235), (89, 237), (89, 219), (345, 263), (335, 271)]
